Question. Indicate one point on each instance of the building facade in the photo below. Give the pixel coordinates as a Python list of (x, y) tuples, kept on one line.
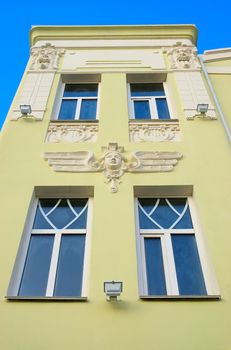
[(114, 162)]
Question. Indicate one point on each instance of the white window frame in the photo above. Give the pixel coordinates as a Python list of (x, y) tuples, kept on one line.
[(20, 262), (60, 98), (168, 257), (151, 100)]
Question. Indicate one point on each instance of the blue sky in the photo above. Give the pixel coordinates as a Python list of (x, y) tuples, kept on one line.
[(16, 19)]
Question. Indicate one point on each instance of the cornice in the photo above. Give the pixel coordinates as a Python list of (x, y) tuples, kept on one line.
[(217, 55), (181, 31)]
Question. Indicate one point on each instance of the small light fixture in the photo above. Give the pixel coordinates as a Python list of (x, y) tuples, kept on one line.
[(202, 108), (113, 289), (25, 110)]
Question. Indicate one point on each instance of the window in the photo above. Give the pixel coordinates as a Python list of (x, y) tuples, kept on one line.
[(52, 254), (169, 249), (148, 101), (79, 102)]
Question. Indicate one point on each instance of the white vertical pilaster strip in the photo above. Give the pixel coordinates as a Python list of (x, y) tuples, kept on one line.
[(169, 265), (53, 265), (35, 91), (192, 91)]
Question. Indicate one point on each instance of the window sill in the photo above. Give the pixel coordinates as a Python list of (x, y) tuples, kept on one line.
[(74, 121), (21, 298), (153, 121), (180, 297)]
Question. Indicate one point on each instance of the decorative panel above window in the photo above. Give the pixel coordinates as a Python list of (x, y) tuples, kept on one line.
[(79, 102), (170, 252), (52, 254)]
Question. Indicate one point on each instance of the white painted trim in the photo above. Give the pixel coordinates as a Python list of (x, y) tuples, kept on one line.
[(151, 100), (53, 266), (59, 98), (87, 250), (24, 246), (170, 100), (56, 231), (168, 255), (141, 270), (169, 266), (206, 264), (161, 232), (20, 260)]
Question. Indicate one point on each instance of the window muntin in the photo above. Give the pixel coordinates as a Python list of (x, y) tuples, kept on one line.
[(148, 101), (54, 263), (79, 102), (168, 245)]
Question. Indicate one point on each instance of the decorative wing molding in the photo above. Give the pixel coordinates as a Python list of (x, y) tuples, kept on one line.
[(75, 162), (113, 164), (154, 161)]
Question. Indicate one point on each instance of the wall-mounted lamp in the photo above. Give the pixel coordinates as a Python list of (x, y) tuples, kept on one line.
[(113, 289), (25, 110), (202, 108)]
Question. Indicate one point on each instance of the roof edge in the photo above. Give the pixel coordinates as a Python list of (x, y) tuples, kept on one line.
[(184, 31)]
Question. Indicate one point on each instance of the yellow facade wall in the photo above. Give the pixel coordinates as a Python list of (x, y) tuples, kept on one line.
[(131, 323)]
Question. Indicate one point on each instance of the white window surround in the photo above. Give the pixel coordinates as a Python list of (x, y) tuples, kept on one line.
[(152, 102), (17, 273), (75, 79), (168, 259)]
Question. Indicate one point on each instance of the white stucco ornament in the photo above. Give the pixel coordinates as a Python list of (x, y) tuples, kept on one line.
[(113, 164), (183, 57), (148, 132), (45, 57), (72, 133)]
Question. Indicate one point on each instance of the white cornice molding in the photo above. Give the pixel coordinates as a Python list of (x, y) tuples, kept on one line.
[(217, 55), (113, 43), (219, 70), (110, 32)]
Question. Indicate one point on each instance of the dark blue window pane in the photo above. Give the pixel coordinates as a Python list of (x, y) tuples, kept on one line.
[(164, 215), (88, 109), (70, 266), (142, 110), (81, 90), (147, 204), (179, 204), (67, 110), (78, 205), (62, 215), (188, 267), (36, 270), (40, 222), (147, 89), (154, 267), (162, 108), (185, 222)]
